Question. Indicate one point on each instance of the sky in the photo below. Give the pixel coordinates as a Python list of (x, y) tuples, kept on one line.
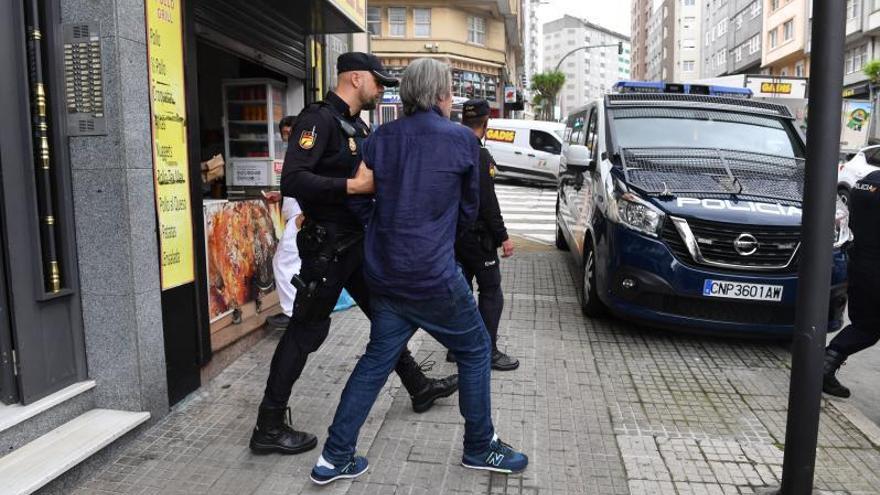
[(612, 14)]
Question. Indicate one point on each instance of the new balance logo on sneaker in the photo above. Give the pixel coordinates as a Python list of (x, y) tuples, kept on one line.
[(499, 457), (494, 459)]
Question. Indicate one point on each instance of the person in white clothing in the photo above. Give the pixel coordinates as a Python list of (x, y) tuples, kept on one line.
[(286, 263)]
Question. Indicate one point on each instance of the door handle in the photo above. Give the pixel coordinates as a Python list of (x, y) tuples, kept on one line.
[(517, 152), (531, 155)]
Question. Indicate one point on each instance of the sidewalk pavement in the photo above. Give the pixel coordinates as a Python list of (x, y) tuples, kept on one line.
[(600, 406)]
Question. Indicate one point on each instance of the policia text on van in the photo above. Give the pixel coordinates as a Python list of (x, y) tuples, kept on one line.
[(683, 210)]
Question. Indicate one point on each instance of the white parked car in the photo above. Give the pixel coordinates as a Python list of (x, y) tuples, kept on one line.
[(526, 149), (863, 163)]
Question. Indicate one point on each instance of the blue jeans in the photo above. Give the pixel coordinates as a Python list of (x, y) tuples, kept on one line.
[(451, 318)]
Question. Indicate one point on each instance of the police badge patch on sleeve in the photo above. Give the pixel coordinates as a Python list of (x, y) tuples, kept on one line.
[(307, 139)]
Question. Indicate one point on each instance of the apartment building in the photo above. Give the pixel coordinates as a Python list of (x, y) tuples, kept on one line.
[(482, 39), (786, 40), (731, 37), (687, 32), (716, 23), (862, 45), (588, 73), (661, 44), (641, 15), (744, 36)]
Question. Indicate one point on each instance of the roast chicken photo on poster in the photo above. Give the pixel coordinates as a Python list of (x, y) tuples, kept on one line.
[(241, 240)]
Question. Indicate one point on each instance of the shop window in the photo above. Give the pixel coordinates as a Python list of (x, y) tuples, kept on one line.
[(397, 21), (477, 30), (422, 19), (374, 21)]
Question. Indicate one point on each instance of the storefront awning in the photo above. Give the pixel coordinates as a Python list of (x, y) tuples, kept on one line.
[(325, 16), (856, 90)]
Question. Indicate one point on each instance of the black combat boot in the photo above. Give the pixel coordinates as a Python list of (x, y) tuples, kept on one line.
[(423, 391), (830, 384), (273, 434)]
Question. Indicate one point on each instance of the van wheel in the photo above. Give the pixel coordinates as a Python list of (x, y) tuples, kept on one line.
[(590, 303)]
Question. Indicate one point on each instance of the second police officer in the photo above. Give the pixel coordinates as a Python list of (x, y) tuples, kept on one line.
[(863, 284), (477, 249), (319, 171)]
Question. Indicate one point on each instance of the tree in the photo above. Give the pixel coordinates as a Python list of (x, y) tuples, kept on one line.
[(546, 87), (872, 70)]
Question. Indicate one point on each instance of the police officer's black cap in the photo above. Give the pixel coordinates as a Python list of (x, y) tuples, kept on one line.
[(350, 61), (475, 108)]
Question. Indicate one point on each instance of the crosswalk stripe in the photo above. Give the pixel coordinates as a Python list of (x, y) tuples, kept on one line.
[(529, 212)]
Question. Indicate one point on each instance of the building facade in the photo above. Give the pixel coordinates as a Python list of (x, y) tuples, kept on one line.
[(640, 15), (862, 38), (687, 30), (661, 63), (588, 73), (111, 233), (744, 39), (716, 24), (483, 41), (785, 38)]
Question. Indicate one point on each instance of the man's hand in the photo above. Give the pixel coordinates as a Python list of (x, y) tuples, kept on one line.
[(362, 183), (299, 220), (272, 196), (507, 249)]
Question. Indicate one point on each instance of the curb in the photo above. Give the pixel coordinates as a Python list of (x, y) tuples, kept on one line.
[(862, 423)]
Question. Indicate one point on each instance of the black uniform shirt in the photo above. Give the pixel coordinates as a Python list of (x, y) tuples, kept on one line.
[(320, 158), (864, 208), (490, 211)]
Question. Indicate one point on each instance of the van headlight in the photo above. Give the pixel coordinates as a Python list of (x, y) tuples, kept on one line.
[(639, 215), (842, 233)]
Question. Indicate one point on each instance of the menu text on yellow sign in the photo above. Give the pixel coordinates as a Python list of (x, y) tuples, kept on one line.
[(170, 155)]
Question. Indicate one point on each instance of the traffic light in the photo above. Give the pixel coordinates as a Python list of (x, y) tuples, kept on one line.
[(620, 48)]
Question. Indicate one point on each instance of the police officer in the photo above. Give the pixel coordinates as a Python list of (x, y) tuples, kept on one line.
[(477, 249), (863, 283), (321, 170)]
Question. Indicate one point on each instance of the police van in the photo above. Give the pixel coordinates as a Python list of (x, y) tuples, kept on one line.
[(682, 207), (526, 149)]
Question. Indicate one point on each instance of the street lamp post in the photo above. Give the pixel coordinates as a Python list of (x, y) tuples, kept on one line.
[(811, 321), (619, 46)]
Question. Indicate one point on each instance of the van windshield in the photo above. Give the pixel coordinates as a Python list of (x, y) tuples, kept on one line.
[(682, 128)]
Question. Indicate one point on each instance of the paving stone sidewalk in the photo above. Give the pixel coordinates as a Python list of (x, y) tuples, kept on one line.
[(601, 407)]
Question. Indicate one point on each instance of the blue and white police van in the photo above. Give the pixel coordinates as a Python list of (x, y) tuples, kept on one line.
[(682, 207)]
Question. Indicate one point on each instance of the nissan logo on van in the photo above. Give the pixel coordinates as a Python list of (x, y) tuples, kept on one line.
[(745, 244)]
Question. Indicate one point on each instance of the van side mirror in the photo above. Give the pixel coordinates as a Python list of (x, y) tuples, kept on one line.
[(579, 159)]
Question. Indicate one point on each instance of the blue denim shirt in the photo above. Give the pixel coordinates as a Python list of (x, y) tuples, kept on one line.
[(426, 170)]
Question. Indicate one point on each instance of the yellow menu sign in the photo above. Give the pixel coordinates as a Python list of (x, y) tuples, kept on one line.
[(170, 158)]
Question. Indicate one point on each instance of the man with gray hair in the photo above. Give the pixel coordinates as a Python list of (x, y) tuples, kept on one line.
[(425, 172)]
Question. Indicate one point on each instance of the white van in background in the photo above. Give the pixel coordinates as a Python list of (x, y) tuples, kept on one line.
[(526, 149)]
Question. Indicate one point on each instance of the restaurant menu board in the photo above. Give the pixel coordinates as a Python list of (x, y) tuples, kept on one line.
[(170, 160)]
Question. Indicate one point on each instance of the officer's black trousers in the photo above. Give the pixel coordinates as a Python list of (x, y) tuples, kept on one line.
[(476, 263), (863, 292), (856, 337), (310, 324)]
